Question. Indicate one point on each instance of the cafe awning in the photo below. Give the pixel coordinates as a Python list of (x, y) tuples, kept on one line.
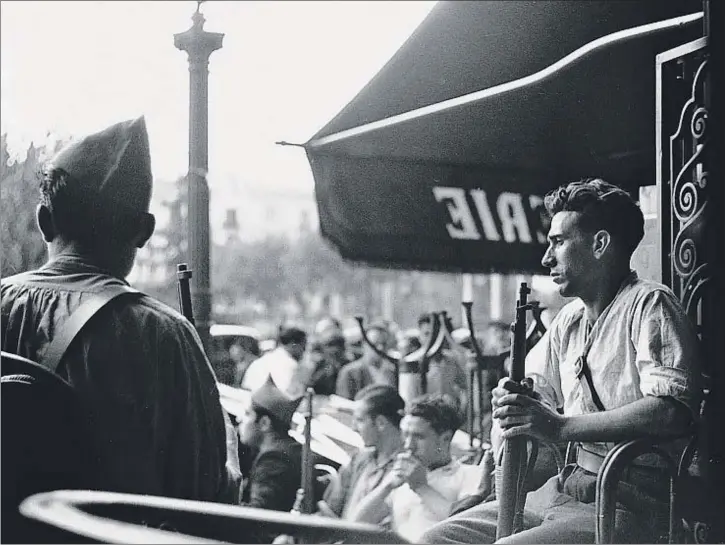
[(441, 161)]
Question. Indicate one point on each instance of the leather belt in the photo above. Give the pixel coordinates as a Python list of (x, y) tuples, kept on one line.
[(592, 462), (588, 460)]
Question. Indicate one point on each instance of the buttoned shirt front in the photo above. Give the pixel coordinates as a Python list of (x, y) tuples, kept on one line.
[(370, 475)]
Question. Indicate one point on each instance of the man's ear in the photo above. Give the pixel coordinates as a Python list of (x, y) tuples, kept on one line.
[(46, 225), (147, 229), (602, 240)]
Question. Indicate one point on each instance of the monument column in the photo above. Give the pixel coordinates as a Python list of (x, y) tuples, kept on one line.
[(199, 45)]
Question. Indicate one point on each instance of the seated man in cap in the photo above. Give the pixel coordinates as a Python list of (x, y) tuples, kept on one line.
[(425, 481), (155, 416), (275, 473), (377, 413)]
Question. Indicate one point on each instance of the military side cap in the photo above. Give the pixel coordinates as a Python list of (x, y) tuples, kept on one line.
[(112, 167), (275, 402)]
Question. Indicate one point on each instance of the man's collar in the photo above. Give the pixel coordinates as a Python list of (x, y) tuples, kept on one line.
[(71, 263)]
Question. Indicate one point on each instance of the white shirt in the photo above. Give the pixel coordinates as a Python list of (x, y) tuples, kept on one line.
[(411, 517), (285, 371), (645, 345)]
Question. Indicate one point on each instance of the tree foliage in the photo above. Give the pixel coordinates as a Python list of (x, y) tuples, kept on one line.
[(22, 246)]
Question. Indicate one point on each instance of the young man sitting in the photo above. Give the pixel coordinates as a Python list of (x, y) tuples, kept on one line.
[(377, 414), (425, 481)]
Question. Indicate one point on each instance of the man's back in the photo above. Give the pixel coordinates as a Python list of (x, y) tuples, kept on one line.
[(275, 476), (357, 375), (139, 367), (277, 363)]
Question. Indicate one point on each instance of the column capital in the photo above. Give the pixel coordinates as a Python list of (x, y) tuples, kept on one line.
[(196, 41)]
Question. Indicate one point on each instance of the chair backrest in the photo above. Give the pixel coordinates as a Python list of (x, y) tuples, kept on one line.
[(45, 442)]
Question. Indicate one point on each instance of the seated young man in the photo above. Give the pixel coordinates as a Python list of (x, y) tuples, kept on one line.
[(274, 477), (425, 481), (620, 361), (377, 413)]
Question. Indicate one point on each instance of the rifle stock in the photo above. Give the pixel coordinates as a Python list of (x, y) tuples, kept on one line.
[(509, 474)]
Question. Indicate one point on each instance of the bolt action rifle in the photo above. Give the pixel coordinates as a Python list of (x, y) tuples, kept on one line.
[(510, 475)]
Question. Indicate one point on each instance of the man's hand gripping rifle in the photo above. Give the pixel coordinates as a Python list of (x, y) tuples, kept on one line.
[(510, 475)]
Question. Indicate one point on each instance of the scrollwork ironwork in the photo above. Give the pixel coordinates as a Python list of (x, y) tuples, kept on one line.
[(698, 124), (688, 190)]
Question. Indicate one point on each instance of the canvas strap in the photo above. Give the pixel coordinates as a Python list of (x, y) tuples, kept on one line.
[(79, 318), (583, 372)]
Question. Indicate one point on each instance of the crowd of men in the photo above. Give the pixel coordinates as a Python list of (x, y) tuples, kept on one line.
[(619, 362)]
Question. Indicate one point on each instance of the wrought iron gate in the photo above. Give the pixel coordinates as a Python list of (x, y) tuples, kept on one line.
[(691, 210), (682, 177)]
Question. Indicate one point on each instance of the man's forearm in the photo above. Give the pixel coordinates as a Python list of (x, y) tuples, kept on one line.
[(651, 416), (372, 508)]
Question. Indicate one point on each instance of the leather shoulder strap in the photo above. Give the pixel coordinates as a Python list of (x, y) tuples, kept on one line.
[(70, 329)]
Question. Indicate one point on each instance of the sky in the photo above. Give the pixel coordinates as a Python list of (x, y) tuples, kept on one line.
[(285, 69)]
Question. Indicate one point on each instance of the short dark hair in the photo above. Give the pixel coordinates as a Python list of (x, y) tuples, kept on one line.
[(277, 424), (291, 334), (439, 410), (382, 400), (80, 217), (602, 206)]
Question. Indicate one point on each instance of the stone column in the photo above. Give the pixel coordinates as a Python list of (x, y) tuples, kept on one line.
[(199, 45)]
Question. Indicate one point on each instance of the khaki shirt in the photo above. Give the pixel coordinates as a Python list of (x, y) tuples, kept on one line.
[(645, 345), (140, 367)]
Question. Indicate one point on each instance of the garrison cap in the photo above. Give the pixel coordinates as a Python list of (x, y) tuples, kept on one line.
[(113, 166), (275, 402)]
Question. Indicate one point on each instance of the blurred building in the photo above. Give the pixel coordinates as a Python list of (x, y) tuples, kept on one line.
[(239, 211), (250, 211), (154, 266)]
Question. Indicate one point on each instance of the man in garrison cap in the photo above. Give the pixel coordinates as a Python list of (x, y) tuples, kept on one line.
[(157, 423), (274, 476)]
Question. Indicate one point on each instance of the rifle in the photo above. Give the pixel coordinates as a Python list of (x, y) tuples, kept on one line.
[(183, 274), (511, 472), (305, 500)]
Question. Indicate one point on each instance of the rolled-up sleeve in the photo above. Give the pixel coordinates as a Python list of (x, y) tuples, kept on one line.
[(668, 352)]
